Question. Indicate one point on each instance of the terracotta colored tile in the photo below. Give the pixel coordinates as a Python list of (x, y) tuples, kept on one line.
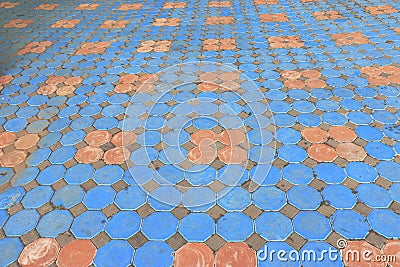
[(390, 69), (232, 155), (392, 248), (298, 84), (266, 2), (65, 23), (9, 4), (54, 80), (208, 76), (342, 134), (219, 20), (174, 5), (65, 90), (229, 86), (35, 47), (87, 7), (371, 70), (124, 138), (378, 80), (47, 90), (130, 6), (229, 76), (5, 79), (40, 253), (273, 17), (327, 15), (315, 83), (7, 138), (290, 74), (200, 135), (219, 4), (235, 255), (124, 88), (78, 253), (360, 248), (98, 137), (394, 79), (315, 135), (46, 6), (205, 153), (322, 153), (311, 74), (117, 155), (89, 154), (114, 24), (194, 254), (26, 141), (232, 137), (129, 78), (13, 158), (351, 152), (18, 23), (73, 81)]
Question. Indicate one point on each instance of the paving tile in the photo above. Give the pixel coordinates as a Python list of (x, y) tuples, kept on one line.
[(41, 252), (194, 254), (114, 251), (245, 255), (79, 252)]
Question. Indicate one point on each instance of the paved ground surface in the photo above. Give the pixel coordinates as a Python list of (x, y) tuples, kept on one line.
[(181, 133)]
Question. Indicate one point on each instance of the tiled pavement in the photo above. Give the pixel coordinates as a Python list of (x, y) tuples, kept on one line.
[(193, 133)]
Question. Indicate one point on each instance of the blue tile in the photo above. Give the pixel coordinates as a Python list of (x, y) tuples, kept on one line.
[(5, 175), (235, 227), (115, 251), (79, 174), (62, 155), (330, 173), (108, 174), (199, 199), (68, 196), (130, 221), (389, 170), (311, 225), (10, 248), (292, 153), (3, 217), (159, 225), (88, 224), (154, 254), (304, 197), (11, 197), (165, 198), (361, 172), (350, 224), (37, 197), (51, 174), (232, 175), (297, 173), (269, 198), (54, 223), (200, 175), (273, 226), (374, 195), (130, 198), (99, 197), (267, 255), (234, 198), (320, 248), (21, 222), (385, 222), (197, 227), (379, 151), (25, 176)]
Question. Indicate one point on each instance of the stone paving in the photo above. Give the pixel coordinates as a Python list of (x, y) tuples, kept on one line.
[(199, 133)]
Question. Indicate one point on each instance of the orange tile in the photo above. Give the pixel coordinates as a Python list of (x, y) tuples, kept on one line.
[(98, 137), (70, 23), (232, 155), (232, 137), (322, 153), (7, 138), (40, 253), (273, 17), (5, 79), (353, 255), (124, 88), (200, 135), (89, 154), (311, 74), (18, 23), (235, 255), (378, 80), (78, 253), (219, 4), (342, 134), (315, 83), (117, 155), (130, 7), (26, 141), (208, 76), (114, 24), (290, 74), (47, 89), (229, 76), (351, 152), (194, 254), (129, 78), (390, 69), (13, 158), (315, 135), (87, 7), (46, 6), (371, 70), (73, 80), (124, 138), (65, 90), (294, 84), (392, 248)]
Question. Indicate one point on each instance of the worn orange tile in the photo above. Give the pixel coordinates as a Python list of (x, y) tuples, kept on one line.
[(378, 80), (13, 158), (394, 79), (200, 135), (194, 254), (235, 255), (114, 24), (89, 154), (174, 5), (290, 74), (327, 15), (315, 83), (369, 70), (390, 69), (117, 155), (129, 78), (5, 79), (35, 47), (219, 4), (26, 141), (322, 153), (124, 88), (130, 6), (232, 137), (9, 4), (311, 74), (207, 87), (87, 6), (65, 23), (379, 10), (230, 86), (392, 248), (294, 84), (40, 253), (73, 80), (7, 138), (351, 152), (78, 253), (98, 137), (55, 80), (361, 254), (219, 20), (18, 23), (65, 90), (315, 135), (205, 153), (232, 155), (229, 76), (208, 76), (273, 17), (124, 138), (46, 6), (47, 89), (342, 134)]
